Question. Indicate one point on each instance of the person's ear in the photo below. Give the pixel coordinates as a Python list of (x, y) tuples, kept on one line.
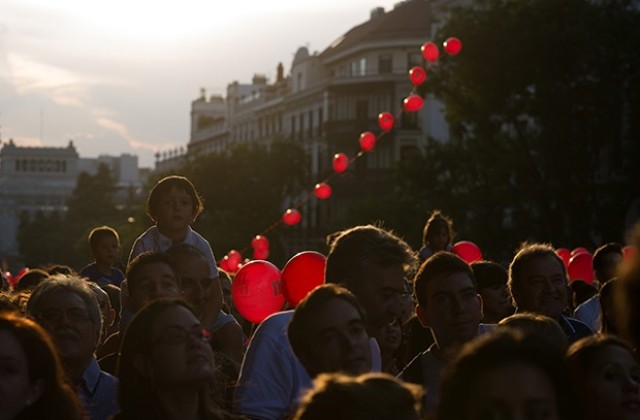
[(481, 305), (422, 316)]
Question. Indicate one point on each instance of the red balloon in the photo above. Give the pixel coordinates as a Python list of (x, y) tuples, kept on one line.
[(234, 256), (413, 103), (302, 273), (291, 217), (224, 264), (367, 141), (581, 267), (629, 251), (417, 75), (260, 242), (261, 254), (385, 121), (257, 290), (322, 191), (430, 51), (565, 254), (452, 45), (468, 251), (340, 162), (579, 250), (230, 265)]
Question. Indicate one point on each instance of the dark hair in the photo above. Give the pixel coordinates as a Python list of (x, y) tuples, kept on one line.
[(440, 263), (372, 396), (491, 351), (136, 392), (30, 279), (98, 233), (527, 252), (306, 312), (113, 292), (582, 291), (165, 185), (58, 400), (146, 258), (352, 250), (489, 273), (539, 326), (608, 305), (53, 269), (601, 253), (581, 353), (435, 223)]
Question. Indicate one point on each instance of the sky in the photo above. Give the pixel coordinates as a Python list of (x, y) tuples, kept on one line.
[(118, 76)]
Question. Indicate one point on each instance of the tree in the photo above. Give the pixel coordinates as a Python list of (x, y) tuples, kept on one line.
[(543, 103)]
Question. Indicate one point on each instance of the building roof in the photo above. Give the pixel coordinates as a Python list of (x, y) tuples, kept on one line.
[(409, 19)]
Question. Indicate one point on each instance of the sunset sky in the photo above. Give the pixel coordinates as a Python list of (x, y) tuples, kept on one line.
[(118, 76)]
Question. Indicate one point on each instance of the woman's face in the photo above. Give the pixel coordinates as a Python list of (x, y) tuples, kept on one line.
[(611, 387), (181, 355), (516, 391), (16, 391)]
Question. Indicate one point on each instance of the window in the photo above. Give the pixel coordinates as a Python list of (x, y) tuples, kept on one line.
[(385, 64), (363, 67), (414, 59)]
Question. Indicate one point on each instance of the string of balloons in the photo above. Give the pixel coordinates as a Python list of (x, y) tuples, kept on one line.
[(322, 190)]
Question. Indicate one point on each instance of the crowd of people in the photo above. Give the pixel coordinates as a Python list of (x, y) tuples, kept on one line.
[(393, 333)]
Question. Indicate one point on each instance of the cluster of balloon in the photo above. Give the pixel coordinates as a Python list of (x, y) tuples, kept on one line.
[(367, 140), (260, 245), (468, 251), (231, 262), (301, 274), (565, 254), (580, 265), (13, 280), (257, 290)]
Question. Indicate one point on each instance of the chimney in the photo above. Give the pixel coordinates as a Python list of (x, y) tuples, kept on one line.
[(377, 12)]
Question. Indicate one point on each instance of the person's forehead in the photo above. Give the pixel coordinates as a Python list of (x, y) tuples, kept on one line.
[(333, 313), (381, 277), (450, 283), (156, 271), (62, 299), (542, 265)]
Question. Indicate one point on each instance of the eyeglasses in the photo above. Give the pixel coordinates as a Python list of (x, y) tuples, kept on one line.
[(56, 315), (179, 335)]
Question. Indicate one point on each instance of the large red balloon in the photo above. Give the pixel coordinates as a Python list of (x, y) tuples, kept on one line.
[(291, 217), (579, 250), (302, 273), (413, 103), (565, 254), (257, 290), (322, 191), (367, 141), (581, 267), (340, 162), (468, 251), (452, 45), (430, 51), (385, 121), (417, 75)]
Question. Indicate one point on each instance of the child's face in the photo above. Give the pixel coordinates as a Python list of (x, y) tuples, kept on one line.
[(175, 210), (107, 250)]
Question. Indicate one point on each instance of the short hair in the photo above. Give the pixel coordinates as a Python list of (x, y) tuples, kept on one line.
[(306, 312), (352, 250), (539, 326), (434, 224), (58, 400), (60, 269), (165, 185), (146, 258), (488, 352), (67, 284), (601, 253), (100, 232), (30, 279), (581, 353), (440, 263), (527, 252), (489, 273), (371, 396)]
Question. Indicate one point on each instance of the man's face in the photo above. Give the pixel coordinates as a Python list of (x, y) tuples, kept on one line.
[(453, 310), (339, 340), (66, 317), (197, 285), (379, 291), (542, 288), (155, 281)]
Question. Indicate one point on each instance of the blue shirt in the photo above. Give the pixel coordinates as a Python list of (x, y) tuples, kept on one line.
[(93, 273), (98, 392)]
